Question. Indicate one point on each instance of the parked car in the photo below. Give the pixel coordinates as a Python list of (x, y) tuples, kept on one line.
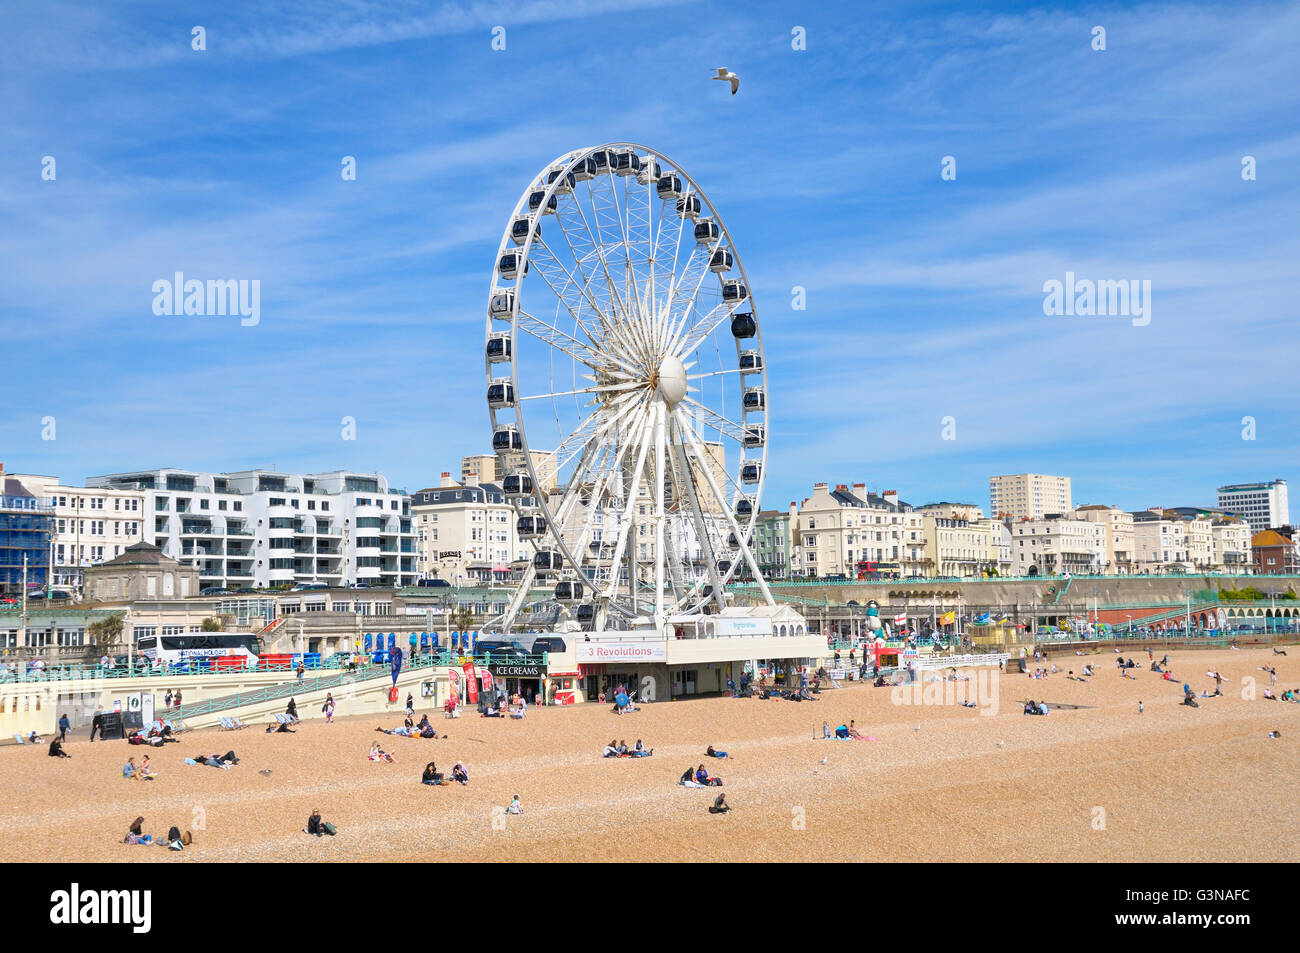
[(433, 584), (214, 591)]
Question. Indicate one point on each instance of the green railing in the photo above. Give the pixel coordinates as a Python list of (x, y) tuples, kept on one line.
[(364, 665)]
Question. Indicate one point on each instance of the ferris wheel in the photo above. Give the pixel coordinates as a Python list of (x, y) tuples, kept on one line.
[(627, 389)]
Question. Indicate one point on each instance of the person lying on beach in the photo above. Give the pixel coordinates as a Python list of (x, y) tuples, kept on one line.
[(1155, 667), (215, 760), (460, 773), (56, 749), (432, 775), (277, 729), (711, 753), (1127, 675), (1277, 651), (404, 731), (427, 731), (379, 754), (641, 751), (719, 805)]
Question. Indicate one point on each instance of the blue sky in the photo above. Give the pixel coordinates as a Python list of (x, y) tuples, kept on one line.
[(924, 296)]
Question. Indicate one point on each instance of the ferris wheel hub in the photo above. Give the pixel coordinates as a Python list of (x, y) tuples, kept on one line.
[(671, 380)]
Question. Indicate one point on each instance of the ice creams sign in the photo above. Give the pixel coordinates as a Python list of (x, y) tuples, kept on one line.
[(615, 651)]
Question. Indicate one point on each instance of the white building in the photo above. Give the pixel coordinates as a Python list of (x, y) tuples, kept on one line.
[(1160, 542), (466, 534), (260, 528), (1059, 545), (1119, 535), (1028, 496), (834, 530), (1231, 544), (91, 526), (1262, 505)]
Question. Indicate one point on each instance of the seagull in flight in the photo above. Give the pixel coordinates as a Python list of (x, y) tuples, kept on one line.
[(727, 76)]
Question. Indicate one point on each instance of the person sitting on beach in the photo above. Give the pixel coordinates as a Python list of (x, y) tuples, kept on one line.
[(621, 747), (1155, 667), (1031, 707), (719, 805), (854, 733), (1268, 693), (292, 710), (520, 711), (515, 807), (640, 751), (703, 777), (1087, 670), (1042, 708), (424, 722), (379, 754), (409, 723), (129, 770), (460, 773), (145, 772), (134, 834), (427, 731), (491, 713), (611, 750), (879, 682), (841, 732), (56, 749), (317, 826), (711, 753), (431, 774), (688, 779), (826, 731)]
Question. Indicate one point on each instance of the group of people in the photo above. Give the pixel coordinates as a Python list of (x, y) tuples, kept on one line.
[(847, 732), (699, 778), (620, 749), (138, 772), (175, 839), (459, 774), (1035, 708)]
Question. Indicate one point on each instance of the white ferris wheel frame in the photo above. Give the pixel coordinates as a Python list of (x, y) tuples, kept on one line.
[(662, 430)]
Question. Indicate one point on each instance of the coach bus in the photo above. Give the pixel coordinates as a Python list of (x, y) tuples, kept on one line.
[(217, 650)]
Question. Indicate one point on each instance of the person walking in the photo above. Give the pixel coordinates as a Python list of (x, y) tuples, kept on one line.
[(302, 671), (329, 708), (64, 725), (167, 699), (97, 724)]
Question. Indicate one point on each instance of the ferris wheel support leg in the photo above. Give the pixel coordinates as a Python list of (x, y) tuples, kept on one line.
[(731, 519), (687, 482), (660, 554), (517, 599)]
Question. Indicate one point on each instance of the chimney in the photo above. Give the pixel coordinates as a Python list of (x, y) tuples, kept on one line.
[(891, 496), (818, 486), (860, 488), (841, 487), (446, 479)]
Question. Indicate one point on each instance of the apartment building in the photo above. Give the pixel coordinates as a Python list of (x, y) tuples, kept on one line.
[(1018, 496), (1059, 544), (1275, 554), (1232, 549), (26, 527), (832, 531), (261, 528), (466, 533), (1160, 541), (90, 526), (958, 540), (1118, 523), (1262, 505), (772, 544)]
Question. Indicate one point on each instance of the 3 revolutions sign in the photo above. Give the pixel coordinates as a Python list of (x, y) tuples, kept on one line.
[(615, 651)]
